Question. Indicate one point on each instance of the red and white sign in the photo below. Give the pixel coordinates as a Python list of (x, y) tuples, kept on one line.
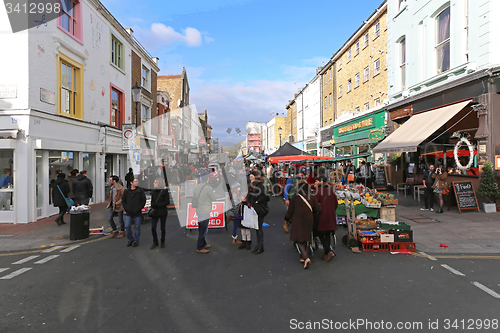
[(497, 162), (217, 217)]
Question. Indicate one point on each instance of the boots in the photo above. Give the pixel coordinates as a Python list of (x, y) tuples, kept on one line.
[(235, 241), (243, 245), (259, 250), (256, 248), (440, 210), (249, 245)]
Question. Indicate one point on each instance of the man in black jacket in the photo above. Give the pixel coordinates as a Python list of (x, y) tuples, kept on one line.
[(129, 177), (133, 202), (429, 191), (82, 189)]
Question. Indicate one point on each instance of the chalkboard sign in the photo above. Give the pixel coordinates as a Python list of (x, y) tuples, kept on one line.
[(465, 195), (380, 182), (174, 193), (190, 185)]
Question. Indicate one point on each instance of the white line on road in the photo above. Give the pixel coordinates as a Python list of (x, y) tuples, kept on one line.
[(16, 273), (44, 260), (453, 270), (428, 256), (22, 261), (486, 289), (3, 269), (52, 249), (71, 248)]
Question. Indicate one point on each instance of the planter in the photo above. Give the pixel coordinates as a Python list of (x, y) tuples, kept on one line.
[(489, 207)]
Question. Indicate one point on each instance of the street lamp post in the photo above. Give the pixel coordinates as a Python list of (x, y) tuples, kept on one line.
[(279, 131), (136, 97)]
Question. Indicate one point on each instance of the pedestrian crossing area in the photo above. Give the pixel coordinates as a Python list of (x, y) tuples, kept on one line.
[(42, 258)]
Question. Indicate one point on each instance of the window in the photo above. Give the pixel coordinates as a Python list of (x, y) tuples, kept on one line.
[(330, 98), (356, 80), (443, 41), (367, 36), (357, 109), (340, 63), (349, 85), (331, 73), (145, 77), (326, 101), (144, 114), (70, 19), (377, 29), (349, 55), (367, 74), (70, 87), (340, 91), (117, 107), (7, 179), (367, 106), (377, 102), (356, 49), (402, 4), (117, 53), (326, 123), (376, 71), (402, 66)]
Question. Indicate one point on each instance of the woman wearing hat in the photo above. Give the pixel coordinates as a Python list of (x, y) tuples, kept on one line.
[(60, 191)]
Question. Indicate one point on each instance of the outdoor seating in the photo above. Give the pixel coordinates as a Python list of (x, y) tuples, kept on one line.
[(406, 186)]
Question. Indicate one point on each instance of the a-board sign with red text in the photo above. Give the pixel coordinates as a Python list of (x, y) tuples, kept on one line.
[(217, 217)]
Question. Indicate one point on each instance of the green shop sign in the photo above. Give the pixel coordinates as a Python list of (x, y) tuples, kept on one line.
[(376, 134)]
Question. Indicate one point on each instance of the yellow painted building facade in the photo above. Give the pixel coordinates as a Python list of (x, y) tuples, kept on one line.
[(328, 100)]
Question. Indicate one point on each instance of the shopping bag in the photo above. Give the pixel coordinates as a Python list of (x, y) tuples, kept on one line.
[(250, 218), (350, 177)]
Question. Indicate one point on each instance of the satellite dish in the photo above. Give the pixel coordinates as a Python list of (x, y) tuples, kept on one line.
[(179, 102)]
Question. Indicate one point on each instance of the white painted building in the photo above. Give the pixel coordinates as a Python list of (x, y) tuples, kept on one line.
[(312, 114), (65, 91)]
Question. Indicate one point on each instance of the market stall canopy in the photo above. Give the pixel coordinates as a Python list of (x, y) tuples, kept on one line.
[(418, 128), (299, 159), (250, 158), (288, 150), (338, 159)]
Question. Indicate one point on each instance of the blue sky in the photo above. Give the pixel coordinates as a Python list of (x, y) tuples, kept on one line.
[(244, 58)]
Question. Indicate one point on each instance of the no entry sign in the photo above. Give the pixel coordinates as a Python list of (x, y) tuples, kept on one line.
[(217, 217)]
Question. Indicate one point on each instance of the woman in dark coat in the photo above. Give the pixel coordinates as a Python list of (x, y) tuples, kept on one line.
[(327, 221), (160, 200), (301, 213), (57, 197), (258, 199)]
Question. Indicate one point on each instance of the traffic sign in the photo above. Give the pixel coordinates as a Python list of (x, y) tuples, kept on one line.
[(128, 136), (137, 155)]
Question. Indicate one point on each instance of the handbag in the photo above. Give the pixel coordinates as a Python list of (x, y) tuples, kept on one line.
[(260, 210), (316, 215), (69, 201), (350, 177), (250, 218), (153, 212)]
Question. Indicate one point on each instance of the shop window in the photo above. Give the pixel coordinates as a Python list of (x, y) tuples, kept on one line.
[(70, 19), (117, 107), (363, 149), (443, 41), (39, 179), (70, 87), (117, 53), (6, 180), (59, 162)]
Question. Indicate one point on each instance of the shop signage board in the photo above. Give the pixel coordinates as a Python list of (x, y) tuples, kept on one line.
[(175, 197), (128, 137), (497, 162), (190, 185), (47, 96), (376, 135), (380, 182), (217, 217), (8, 91), (465, 195), (401, 113)]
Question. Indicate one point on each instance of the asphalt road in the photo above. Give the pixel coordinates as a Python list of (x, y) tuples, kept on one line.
[(104, 286)]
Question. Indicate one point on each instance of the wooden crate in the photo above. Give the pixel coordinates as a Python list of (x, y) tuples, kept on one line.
[(388, 214)]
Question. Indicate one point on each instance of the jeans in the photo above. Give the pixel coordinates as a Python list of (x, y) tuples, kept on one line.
[(120, 219), (236, 222), (202, 232), (137, 220), (429, 197), (154, 222), (260, 232)]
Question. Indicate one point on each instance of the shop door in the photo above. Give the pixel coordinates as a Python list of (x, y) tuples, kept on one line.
[(108, 172)]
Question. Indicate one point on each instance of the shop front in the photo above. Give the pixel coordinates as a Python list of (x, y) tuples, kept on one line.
[(326, 139), (354, 139)]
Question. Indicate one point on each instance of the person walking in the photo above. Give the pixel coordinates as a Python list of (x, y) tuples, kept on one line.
[(115, 206), (205, 196), (60, 190), (301, 211), (290, 188), (348, 171), (82, 189), (160, 199), (133, 201), (428, 182), (257, 198), (129, 177), (440, 184), (327, 219), (72, 178)]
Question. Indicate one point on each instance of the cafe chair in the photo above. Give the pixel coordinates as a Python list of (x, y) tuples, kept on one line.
[(405, 187)]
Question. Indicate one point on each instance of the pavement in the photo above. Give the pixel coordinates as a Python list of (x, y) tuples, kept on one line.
[(469, 232)]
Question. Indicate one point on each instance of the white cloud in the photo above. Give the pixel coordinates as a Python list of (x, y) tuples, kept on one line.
[(208, 40), (190, 37)]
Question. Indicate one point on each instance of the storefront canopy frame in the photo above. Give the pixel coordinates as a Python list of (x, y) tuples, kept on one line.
[(418, 128)]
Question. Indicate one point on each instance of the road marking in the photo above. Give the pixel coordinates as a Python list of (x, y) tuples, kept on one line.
[(3, 269), (44, 260), (16, 273), (71, 248), (428, 256), (22, 261), (453, 270), (8, 254), (486, 289), (458, 256), (52, 249)]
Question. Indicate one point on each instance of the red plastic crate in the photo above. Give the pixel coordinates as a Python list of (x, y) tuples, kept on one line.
[(408, 246), (376, 246)]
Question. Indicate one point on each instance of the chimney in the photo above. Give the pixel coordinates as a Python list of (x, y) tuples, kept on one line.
[(130, 31), (155, 60)]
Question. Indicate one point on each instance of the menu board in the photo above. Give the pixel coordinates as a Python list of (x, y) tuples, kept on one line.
[(190, 185), (380, 182), (465, 195), (174, 193)]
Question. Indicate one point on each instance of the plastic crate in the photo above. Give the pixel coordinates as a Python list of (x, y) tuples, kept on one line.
[(399, 226), (342, 220), (395, 247), (376, 246), (402, 236)]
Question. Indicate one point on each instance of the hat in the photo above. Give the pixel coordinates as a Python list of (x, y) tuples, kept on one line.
[(61, 175), (235, 185)]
